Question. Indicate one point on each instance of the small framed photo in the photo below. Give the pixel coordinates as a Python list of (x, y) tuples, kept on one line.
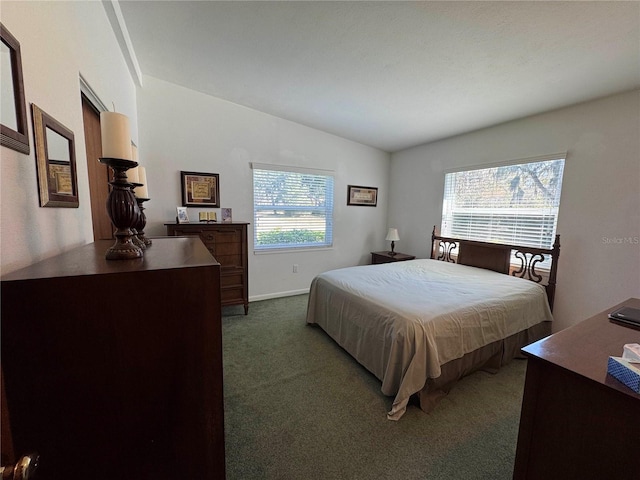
[(363, 196), (182, 215), (225, 213), (200, 189)]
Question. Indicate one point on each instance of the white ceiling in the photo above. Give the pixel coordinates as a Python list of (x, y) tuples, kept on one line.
[(391, 74)]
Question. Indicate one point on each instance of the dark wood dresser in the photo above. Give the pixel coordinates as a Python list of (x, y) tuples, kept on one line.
[(577, 422), (227, 242), (113, 369)]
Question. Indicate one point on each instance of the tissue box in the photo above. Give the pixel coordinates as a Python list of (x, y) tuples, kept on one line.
[(626, 372)]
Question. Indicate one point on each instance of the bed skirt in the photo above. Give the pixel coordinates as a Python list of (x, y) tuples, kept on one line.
[(488, 358)]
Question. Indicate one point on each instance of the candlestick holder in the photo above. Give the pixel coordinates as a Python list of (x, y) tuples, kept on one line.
[(134, 227), (142, 222), (123, 211)]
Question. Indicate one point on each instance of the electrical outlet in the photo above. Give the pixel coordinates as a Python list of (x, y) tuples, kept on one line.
[(295, 268)]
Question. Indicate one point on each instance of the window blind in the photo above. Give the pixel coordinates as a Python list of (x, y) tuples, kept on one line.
[(293, 207), (513, 204)]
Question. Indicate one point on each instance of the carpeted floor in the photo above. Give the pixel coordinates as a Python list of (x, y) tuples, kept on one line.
[(297, 406)]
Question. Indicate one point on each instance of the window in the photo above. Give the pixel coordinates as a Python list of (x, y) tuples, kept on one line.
[(292, 207), (512, 204)]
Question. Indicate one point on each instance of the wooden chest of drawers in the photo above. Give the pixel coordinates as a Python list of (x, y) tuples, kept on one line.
[(116, 366), (577, 421), (227, 242)]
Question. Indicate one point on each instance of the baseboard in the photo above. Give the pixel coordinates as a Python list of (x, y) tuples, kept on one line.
[(268, 296)]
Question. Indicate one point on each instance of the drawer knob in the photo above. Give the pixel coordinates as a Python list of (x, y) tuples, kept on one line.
[(23, 469)]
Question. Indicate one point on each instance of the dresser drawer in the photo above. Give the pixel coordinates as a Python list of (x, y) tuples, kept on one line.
[(231, 285), (228, 249), (208, 237), (231, 276), (222, 243), (228, 260), (227, 242), (231, 295), (231, 236), (184, 232)]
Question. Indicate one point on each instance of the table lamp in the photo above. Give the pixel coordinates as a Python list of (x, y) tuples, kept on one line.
[(392, 236)]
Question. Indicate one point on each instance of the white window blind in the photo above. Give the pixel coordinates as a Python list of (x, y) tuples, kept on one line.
[(292, 207), (513, 204)]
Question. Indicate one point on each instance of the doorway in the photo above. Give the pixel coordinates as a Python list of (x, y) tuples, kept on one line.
[(98, 173)]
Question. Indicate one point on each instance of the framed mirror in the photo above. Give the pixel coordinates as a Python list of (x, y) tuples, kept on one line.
[(13, 111), (56, 161)]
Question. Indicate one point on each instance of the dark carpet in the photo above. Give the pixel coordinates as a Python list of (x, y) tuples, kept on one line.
[(297, 406)]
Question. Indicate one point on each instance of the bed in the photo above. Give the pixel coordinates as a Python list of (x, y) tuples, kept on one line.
[(421, 325)]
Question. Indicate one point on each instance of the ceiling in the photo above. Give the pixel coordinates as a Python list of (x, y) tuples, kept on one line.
[(391, 74)]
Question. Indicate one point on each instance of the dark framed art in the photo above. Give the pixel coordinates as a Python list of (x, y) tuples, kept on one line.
[(200, 189), (362, 196)]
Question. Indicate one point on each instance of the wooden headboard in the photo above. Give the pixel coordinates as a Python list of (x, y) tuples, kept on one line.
[(497, 257)]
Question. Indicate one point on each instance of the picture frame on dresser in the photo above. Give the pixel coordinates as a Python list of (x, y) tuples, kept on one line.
[(182, 215), (200, 189)]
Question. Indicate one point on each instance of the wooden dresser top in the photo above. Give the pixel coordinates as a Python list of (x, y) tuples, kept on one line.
[(164, 253), (584, 348)]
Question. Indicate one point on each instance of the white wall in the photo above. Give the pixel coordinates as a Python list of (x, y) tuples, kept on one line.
[(59, 41), (181, 129), (599, 218), (186, 130)]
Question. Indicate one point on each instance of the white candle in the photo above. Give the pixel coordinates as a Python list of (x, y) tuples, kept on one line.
[(116, 136), (142, 192), (133, 175)]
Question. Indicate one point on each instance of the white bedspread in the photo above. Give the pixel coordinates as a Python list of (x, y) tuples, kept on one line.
[(403, 320)]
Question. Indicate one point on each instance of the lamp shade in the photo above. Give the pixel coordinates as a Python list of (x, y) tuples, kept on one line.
[(392, 235)]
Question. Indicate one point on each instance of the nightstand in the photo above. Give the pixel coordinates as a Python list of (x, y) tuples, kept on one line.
[(386, 257)]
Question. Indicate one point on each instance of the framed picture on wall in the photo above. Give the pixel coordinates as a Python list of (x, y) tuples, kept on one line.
[(55, 161), (200, 189), (13, 116), (363, 196)]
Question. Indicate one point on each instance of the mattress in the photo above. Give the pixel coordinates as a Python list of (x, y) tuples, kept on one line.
[(404, 320)]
